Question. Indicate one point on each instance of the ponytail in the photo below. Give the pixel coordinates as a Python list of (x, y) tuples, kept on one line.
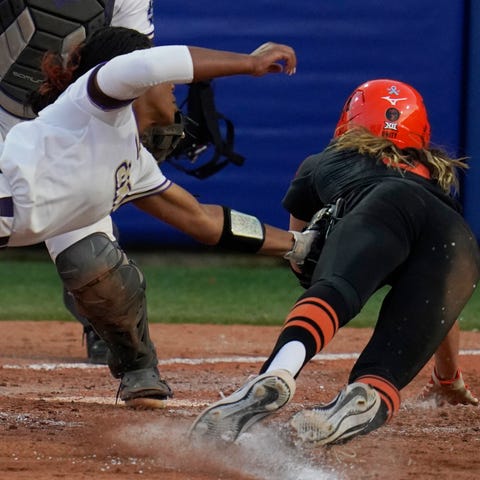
[(57, 77)]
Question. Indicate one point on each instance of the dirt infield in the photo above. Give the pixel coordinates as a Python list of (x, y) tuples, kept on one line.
[(58, 417)]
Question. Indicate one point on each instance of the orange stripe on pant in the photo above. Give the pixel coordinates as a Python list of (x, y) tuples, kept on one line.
[(315, 316), (388, 392)]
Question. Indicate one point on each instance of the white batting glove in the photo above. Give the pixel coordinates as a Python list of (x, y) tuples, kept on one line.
[(302, 246)]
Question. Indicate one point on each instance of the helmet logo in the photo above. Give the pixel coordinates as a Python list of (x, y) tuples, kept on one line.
[(390, 126), (392, 114), (393, 90), (393, 101)]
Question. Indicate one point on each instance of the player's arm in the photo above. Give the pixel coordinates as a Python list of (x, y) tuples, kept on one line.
[(297, 224), (268, 58), (446, 383), (216, 225), (126, 77)]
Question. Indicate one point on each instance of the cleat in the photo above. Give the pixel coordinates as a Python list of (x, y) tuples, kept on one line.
[(351, 413), (453, 392), (226, 419), (144, 389)]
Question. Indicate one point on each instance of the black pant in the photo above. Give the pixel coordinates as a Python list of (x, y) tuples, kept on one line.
[(403, 236)]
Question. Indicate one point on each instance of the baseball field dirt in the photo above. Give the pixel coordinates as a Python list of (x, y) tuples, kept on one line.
[(59, 419)]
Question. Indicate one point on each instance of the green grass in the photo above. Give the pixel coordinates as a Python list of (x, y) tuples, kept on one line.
[(181, 288)]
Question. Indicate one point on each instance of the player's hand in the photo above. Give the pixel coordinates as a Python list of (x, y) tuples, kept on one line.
[(302, 246), (454, 391), (274, 58)]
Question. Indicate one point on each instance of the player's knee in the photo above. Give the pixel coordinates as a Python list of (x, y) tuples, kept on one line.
[(88, 260), (101, 278), (339, 294)]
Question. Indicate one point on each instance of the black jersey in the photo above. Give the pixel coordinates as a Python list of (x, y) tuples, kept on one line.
[(325, 177)]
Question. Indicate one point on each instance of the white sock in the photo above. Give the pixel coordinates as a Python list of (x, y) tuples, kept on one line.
[(290, 357)]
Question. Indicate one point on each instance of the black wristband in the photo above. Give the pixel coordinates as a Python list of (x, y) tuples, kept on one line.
[(241, 232)]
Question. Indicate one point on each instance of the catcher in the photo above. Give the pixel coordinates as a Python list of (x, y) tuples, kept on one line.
[(389, 219), (55, 25), (63, 173)]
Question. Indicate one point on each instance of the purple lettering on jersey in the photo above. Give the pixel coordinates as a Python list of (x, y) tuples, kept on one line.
[(122, 183), (150, 12)]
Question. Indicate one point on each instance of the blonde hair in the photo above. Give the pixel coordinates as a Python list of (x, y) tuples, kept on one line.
[(442, 168)]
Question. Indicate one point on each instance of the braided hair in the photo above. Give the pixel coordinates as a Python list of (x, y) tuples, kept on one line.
[(101, 46)]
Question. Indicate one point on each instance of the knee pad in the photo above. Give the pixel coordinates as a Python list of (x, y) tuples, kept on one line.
[(109, 290), (106, 285)]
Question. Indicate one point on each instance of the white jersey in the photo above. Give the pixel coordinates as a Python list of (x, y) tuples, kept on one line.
[(77, 162), (136, 14)]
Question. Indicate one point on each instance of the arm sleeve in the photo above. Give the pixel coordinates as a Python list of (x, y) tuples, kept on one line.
[(128, 76)]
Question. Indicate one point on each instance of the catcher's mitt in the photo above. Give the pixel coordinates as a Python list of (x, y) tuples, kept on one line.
[(322, 221)]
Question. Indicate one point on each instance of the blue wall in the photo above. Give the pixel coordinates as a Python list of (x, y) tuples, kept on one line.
[(279, 120), (471, 190)]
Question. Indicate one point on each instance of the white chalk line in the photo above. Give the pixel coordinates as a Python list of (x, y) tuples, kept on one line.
[(170, 403), (193, 361)]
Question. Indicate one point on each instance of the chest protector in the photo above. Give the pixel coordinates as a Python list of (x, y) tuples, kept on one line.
[(28, 29)]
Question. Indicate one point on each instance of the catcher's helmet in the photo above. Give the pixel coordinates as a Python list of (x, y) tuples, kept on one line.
[(388, 108)]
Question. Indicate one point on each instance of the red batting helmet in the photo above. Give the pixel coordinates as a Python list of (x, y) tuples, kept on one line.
[(388, 108)]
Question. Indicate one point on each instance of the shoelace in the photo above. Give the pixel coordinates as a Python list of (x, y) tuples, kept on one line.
[(117, 396)]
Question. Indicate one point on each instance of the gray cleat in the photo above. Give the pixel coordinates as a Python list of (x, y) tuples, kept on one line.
[(354, 411), (144, 389), (261, 396)]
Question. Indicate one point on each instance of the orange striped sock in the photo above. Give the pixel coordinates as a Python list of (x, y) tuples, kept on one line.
[(315, 316), (388, 392)]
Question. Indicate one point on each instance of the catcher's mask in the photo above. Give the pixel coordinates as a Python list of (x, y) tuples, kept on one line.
[(388, 108), (187, 143), (162, 141), (207, 146)]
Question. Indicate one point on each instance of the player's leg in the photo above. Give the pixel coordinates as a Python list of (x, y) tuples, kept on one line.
[(428, 292), (97, 349), (413, 320), (310, 325), (427, 295), (109, 291), (338, 291)]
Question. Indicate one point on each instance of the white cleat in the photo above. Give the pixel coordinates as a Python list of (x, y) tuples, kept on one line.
[(261, 396), (350, 414)]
